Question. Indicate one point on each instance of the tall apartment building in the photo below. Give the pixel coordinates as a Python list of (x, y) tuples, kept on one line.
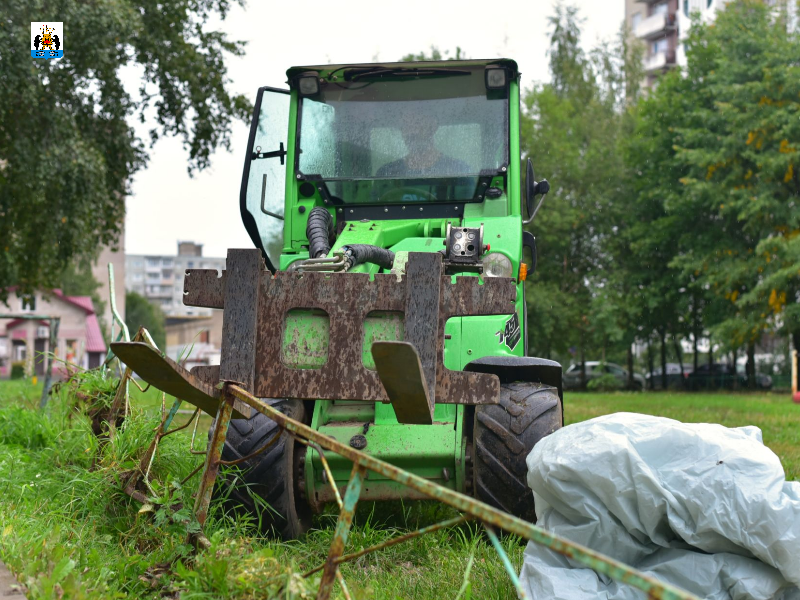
[(160, 278), (663, 26)]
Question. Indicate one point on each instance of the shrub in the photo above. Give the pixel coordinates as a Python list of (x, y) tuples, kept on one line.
[(18, 369), (604, 383)]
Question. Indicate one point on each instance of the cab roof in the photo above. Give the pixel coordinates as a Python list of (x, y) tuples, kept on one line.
[(326, 71)]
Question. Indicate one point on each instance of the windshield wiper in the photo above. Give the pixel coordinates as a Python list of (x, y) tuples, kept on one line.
[(355, 74)]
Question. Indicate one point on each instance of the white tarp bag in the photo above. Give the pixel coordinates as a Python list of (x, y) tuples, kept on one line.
[(700, 506)]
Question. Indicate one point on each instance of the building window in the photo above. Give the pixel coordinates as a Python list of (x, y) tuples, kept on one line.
[(153, 262), (659, 46), (167, 262), (27, 303), (661, 8), (190, 265), (137, 276), (635, 20), (153, 276)]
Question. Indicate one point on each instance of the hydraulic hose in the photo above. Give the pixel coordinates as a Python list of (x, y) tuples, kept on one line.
[(357, 254), (318, 231)]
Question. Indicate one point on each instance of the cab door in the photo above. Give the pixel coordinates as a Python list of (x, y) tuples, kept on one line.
[(262, 197)]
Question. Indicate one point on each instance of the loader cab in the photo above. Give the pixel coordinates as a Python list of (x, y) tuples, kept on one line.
[(389, 141)]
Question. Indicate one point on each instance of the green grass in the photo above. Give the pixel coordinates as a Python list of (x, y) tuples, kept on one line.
[(776, 414), (67, 530)]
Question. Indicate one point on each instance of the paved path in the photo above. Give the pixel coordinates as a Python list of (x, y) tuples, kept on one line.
[(9, 587)]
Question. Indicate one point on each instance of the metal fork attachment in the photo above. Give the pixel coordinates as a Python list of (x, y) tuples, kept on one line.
[(256, 303)]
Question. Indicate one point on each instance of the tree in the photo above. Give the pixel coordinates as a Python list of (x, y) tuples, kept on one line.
[(716, 158), (139, 312), (67, 151), (572, 128)]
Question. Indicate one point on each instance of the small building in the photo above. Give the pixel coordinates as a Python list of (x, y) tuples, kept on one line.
[(194, 341), (80, 341)]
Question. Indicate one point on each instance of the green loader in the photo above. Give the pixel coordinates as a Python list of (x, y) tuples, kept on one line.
[(384, 304)]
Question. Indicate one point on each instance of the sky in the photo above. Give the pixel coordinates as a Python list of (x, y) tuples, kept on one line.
[(167, 205)]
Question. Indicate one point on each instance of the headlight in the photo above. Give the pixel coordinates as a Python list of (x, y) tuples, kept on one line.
[(497, 265)]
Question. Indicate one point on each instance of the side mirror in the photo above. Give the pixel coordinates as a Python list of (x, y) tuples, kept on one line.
[(532, 188)]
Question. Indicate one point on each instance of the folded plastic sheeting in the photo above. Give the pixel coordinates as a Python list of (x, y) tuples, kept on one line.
[(700, 506)]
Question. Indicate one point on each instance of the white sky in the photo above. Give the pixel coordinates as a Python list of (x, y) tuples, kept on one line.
[(167, 205)]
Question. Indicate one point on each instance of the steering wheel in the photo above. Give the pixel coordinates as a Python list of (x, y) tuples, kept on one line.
[(396, 195)]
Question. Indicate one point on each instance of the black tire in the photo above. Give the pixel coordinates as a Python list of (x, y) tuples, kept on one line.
[(503, 437), (272, 476)]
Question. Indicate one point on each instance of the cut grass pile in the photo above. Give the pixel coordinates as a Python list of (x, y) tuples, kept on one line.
[(67, 530)]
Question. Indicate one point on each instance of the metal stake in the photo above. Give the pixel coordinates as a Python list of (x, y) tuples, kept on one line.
[(211, 467), (351, 495)]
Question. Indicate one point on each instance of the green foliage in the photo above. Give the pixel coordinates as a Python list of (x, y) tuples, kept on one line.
[(141, 313), (674, 215), (718, 196), (572, 128), (605, 383), (67, 150), (18, 369)]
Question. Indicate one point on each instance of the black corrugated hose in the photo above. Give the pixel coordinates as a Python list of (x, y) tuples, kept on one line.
[(318, 231), (357, 254)]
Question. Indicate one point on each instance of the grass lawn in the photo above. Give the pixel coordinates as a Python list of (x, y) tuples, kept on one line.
[(66, 529)]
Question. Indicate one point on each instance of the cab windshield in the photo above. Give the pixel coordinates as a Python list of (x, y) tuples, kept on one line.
[(400, 138)]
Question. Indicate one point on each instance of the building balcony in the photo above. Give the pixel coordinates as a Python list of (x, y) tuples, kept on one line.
[(655, 26), (659, 61)]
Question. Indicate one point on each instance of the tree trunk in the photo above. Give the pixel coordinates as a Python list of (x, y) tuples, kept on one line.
[(735, 357), (710, 352), (650, 361), (695, 328), (630, 367), (679, 352), (583, 367), (750, 369), (796, 340), (663, 335)]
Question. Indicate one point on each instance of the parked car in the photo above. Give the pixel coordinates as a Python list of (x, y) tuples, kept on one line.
[(726, 377), (594, 369), (676, 379)]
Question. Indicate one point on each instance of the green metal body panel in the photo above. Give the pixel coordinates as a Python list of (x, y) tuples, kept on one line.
[(437, 451)]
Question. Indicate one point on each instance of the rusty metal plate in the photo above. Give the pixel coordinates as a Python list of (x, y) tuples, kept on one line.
[(168, 376), (423, 283), (400, 370), (347, 298)]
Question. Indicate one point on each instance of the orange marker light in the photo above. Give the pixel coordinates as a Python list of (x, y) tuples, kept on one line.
[(523, 271)]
